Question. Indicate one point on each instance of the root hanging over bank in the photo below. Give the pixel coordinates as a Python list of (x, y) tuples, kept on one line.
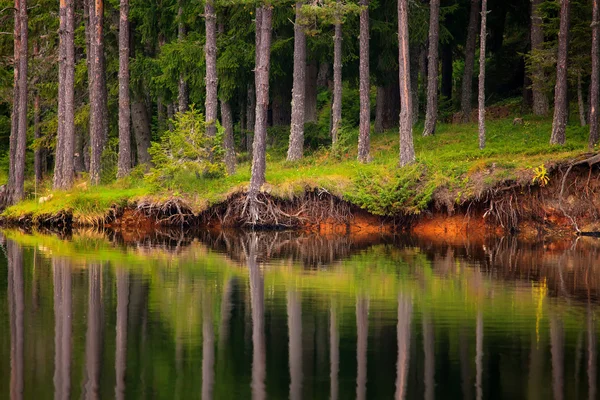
[(172, 212)]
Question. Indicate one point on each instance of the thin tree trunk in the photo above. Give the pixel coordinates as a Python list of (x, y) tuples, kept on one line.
[(250, 117), (414, 84), (14, 128), (432, 73), (16, 302), (94, 333), (540, 98), (595, 85), (334, 354), (310, 92), (364, 86), (467, 80), (183, 95), (208, 348), (482, 43), (294, 314), (403, 340), (141, 130), (97, 100), (336, 107), (211, 68), (264, 19), (296, 146), (62, 328), (124, 164), (580, 101), (121, 330), (407, 149), (447, 71), (561, 99), (38, 161), (228, 143)]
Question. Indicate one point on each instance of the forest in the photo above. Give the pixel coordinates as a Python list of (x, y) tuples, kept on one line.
[(139, 96)]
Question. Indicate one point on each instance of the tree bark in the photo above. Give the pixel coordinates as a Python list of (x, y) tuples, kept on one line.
[(228, 143), (336, 108), (387, 107), (323, 75), (97, 85), (124, 164), (264, 18), (14, 128), (310, 92), (183, 95), (211, 68), (364, 86), (561, 99), (540, 99), (595, 85), (39, 156), (407, 149), (250, 117), (581, 102), (482, 43), (432, 73), (467, 80), (447, 71), (141, 130), (296, 145)]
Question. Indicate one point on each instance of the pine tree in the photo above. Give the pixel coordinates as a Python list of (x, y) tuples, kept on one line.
[(595, 85), (336, 108), (407, 149), (296, 145), (467, 80), (432, 73), (124, 164), (540, 99), (561, 100), (211, 104), (365, 86), (482, 47)]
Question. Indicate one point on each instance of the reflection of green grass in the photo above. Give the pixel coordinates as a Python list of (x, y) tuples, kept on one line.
[(450, 159)]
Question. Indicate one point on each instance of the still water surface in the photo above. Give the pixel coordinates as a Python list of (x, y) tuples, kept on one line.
[(288, 315)]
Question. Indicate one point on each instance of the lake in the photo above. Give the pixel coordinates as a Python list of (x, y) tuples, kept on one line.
[(277, 315)]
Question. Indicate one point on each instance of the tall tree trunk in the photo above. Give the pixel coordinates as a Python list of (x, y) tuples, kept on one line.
[(296, 146), (561, 95), (407, 149), (211, 68), (264, 18), (39, 155), (581, 101), (183, 95), (403, 340), (94, 333), (447, 71), (482, 43), (467, 80), (540, 98), (310, 92), (595, 85), (257, 304), (334, 353), (208, 347), (62, 327), (14, 127), (387, 107), (97, 84), (336, 108), (121, 329), (228, 143), (250, 117), (364, 86), (432, 65), (141, 130), (294, 314), (16, 306), (124, 164)]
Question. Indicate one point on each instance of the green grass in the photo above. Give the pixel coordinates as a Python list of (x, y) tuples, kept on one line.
[(450, 160)]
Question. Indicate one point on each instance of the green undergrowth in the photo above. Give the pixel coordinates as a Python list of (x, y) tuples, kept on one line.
[(450, 168)]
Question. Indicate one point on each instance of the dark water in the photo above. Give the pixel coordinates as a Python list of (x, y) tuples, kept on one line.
[(265, 315)]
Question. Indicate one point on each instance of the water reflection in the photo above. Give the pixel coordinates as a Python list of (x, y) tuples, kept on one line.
[(207, 316)]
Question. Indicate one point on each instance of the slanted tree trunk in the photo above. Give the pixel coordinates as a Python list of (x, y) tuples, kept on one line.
[(482, 40), (97, 84), (364, 86), (595, 85), (540, 98), (250, 117), (432, 73), (264, 18), (124, 164), (581, 101), (310, 92), (561, 99), (211, 68), (296, 146), (183, 95), (467, 80), (141, 130), (407, 149), (336, 108), (228, 143)]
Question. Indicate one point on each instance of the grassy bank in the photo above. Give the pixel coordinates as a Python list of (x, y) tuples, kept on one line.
[(450, 170)]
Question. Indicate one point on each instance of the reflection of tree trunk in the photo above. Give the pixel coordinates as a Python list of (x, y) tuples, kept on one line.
[(536, 364), (93, 337), (121, 342), (258, 323), (362, 328), (465, 365), (557, 342), (591, 367), (62, 328), (294, 311), (16, 306), (226, 307), (208, 348), (479, 356), (403, 337), (428, 349), (334, 353)]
